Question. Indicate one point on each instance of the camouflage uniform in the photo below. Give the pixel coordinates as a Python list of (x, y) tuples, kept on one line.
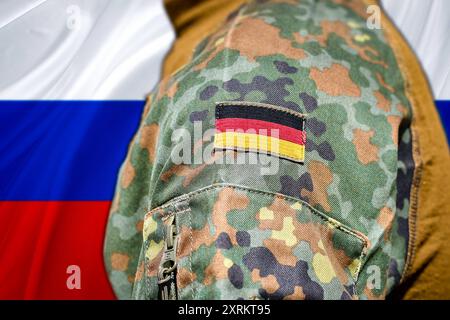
[(333, 227)]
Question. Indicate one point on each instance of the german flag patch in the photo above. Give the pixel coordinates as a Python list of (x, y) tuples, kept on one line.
[(261, 128)]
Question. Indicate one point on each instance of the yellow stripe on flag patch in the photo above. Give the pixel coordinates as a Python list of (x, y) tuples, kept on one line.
[(259, 143)]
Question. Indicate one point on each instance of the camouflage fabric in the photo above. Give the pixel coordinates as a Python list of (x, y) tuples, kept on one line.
[(335, 227)]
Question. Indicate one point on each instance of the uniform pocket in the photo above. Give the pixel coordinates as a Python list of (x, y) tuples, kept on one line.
[(232, 242)]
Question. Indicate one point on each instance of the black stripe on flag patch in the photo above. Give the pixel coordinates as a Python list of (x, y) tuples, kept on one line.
[(258, 111)]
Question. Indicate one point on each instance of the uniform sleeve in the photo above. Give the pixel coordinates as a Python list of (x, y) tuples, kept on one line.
[(266, 168)]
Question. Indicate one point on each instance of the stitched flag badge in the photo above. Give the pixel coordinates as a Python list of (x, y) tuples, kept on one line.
[(262, 128)]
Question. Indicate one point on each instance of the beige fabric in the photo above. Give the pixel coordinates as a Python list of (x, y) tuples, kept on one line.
[(193, 20), (427, 276)]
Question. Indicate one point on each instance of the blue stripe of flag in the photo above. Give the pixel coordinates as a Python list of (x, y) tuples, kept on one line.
[(443, 107), (64, 150)]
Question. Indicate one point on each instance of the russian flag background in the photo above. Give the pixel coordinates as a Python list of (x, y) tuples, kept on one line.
[(58, 169), (73, 77), (73, 80)]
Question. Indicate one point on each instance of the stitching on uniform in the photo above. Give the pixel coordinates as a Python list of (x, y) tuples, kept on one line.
[(191, 237), (325, 218), (275, 154), (358, 270), (160, 260), (354, 290), (164, 217), (260, 105), (304, 138), (360, 236), (361, 257), (398, 41), (417, 175)]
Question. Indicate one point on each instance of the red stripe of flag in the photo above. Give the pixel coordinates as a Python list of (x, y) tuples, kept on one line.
[(284, 132), (40, 239)]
